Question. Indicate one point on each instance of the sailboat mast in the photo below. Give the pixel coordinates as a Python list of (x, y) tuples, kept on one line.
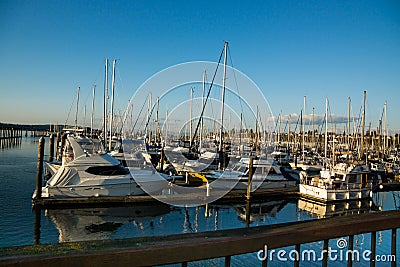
[(363, 126), (112, 103), (348, 122), (105, 104), (303, 130), (313, 127), (77, 109), (92, 117), (385, 141), (84, 119), (190, 119), (326, 132), (279, 127), (221, 141), (202, 107)]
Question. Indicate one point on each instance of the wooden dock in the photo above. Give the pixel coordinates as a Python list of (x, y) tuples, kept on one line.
[(231, 197)]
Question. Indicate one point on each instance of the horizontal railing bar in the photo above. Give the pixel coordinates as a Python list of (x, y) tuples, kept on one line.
[(197, 246)]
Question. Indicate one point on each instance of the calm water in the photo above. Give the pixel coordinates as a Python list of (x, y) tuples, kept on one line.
[(17, 220)]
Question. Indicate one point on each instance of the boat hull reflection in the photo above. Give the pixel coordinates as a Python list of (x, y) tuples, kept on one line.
[(85, 224), (324, 210)]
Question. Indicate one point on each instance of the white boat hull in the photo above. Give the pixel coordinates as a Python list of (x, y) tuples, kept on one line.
[(325, 195)]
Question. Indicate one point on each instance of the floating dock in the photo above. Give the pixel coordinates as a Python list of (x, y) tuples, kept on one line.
[(232, 196)]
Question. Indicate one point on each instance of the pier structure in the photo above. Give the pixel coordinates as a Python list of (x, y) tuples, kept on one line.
[(10, 137)]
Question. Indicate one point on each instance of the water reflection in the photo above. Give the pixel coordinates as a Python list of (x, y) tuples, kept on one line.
[(324, 210), (80, 224), (100, 223)]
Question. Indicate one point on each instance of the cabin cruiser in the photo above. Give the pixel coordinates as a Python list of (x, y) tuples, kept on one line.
[(263, 177), (87, 171), (342, 182)]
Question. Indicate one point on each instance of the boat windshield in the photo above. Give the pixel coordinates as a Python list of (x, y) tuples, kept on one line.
[(108, 170), (90, 146)]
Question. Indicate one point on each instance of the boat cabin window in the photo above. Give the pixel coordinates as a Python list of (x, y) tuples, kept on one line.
[(352, 178), (107, 170)]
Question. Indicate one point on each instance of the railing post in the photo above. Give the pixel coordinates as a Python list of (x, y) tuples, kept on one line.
[(297, 261), (265, 262), (373, 249), (350, 247), (227, 261), (394, 237), (325, 258)]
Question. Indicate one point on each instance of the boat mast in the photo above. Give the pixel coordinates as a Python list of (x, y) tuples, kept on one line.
[(202, 107), (112, 103), (348, 122), (363, 126), (92, 117), (77, 108), (84, 119), (190, 119), (279, 127), (326, 132), (105, 104), (221, 141), (303, 129), (385, 133)]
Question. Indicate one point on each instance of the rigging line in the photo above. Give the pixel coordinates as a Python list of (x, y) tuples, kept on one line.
[(69, 112), (208, 94), (297, 123), (140, 112), (237, 87)]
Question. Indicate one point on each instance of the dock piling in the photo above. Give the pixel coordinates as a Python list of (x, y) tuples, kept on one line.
[(51, 153), (248, 195), (39, 173)]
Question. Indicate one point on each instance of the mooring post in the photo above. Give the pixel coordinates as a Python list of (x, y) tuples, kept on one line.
[(162, 160), (36, 225), (58, 140), (248, 208), (51, 153), (248, 195), (39, 169)]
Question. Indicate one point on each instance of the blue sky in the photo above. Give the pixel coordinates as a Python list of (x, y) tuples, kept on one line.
[(290, 49)]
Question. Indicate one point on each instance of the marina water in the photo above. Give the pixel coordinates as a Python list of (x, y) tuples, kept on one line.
[(18, 228)]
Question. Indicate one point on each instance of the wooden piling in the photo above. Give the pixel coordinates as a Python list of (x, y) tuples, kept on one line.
[(51, 147), (39, 173), (162, 160), (58, 140), (248, 195)]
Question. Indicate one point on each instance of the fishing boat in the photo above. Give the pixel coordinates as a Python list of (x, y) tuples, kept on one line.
[(87, 171)]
